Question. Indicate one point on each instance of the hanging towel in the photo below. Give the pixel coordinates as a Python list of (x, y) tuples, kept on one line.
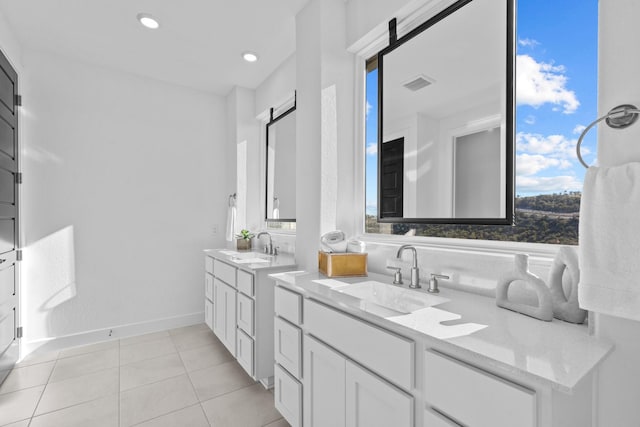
[(231, 223), (610, 241)]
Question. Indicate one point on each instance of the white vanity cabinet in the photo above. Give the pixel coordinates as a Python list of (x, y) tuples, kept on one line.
[(364, 390), (361, 369), (334, 369), (239, 301), (339, 392)]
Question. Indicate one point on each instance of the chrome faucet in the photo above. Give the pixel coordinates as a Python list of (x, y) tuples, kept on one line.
[(415, 272), (268, 248)]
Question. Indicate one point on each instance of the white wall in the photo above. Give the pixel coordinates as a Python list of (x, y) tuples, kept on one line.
[(277, 88), (243, 141), (9, 44), (619, 67), (122, 190)]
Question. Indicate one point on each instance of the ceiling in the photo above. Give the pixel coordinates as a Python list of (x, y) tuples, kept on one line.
[(198, 45)]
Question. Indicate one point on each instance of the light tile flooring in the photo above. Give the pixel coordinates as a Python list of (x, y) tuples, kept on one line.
[(183, 377)]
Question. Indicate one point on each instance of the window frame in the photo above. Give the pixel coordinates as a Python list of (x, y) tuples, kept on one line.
[(366, 49)]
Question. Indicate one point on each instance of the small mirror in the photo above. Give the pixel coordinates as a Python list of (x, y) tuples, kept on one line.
[(445, 137), (281, 167)]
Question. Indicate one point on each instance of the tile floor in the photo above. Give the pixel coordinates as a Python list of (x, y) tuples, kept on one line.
[(183, 377)]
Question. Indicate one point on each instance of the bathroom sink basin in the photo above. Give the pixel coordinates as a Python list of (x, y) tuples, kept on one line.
[(395, 298), (250, 258)]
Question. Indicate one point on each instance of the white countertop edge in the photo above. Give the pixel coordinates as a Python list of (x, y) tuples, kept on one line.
[(296, 282), (283, 260)]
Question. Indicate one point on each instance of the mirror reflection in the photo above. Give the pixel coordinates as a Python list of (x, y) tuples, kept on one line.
[(446, 117), (281, 168)]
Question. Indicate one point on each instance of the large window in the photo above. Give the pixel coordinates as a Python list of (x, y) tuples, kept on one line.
[(556, 88)]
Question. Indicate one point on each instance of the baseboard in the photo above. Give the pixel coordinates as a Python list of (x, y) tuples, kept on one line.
[(110, 333)]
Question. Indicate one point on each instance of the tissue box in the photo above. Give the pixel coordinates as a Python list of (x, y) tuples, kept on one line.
[(342, 264)]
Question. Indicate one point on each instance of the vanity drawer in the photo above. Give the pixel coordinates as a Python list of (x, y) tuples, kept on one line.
[(208, 313), (208, 264), (474, 397), (288, 305), (288, 346), (245, 313), (288, 396), (363, 342), (208, 286), (245, 283), (225, 272), (244, 351)]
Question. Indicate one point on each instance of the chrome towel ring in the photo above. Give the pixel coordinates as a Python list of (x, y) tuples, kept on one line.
[(619, 117)]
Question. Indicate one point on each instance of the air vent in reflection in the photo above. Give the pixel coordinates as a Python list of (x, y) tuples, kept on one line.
[(418, 82)]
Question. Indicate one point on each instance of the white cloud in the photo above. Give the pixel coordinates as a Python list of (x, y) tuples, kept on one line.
[(530, 120), (551, 154), (539, 83), (372, 149), (530, 164), (368, 108), (536, 184), (557, 146), (528, 42), (579, 129)]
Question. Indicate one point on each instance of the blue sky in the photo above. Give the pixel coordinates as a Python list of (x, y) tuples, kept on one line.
[(556, 96)]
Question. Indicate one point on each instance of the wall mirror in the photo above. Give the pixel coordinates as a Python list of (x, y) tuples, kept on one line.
[(445, 124), (281, 165)]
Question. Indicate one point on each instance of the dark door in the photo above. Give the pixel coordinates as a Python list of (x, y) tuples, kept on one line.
[(8, 216), (391, 178)]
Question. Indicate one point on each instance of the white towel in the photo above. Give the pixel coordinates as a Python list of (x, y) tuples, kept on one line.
[(610, 241), (231, 223)]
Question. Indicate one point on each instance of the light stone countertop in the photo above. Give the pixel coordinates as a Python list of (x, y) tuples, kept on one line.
[(252, 261), (555, 353)]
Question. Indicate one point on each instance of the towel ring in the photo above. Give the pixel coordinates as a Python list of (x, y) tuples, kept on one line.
[(619, 117), (232, 199)]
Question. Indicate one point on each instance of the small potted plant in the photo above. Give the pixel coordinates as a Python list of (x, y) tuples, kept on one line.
[(243, 241)]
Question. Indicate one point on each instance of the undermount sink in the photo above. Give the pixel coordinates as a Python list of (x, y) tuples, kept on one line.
[(395, 298), (250, 258)]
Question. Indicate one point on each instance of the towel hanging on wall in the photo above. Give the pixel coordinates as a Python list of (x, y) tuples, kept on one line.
[(610, 241), (231, 218)]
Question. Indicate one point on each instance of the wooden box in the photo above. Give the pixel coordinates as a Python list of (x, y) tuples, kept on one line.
[(342, 264)]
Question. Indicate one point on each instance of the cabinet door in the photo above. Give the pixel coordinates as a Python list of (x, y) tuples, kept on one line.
[(287, 396), (224, 314), (324, 392), (245, 352), (372, 402), (230, 319), (218, 309), (208, 286), (208, 313), (245, 311), (288, 346)]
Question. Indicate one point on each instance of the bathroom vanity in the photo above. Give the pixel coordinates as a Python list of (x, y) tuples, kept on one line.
[(239, 305), (368, 355)]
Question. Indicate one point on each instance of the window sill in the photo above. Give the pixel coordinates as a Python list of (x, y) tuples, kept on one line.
[(485, 247)]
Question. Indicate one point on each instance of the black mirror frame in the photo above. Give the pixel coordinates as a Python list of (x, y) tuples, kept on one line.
[(395, 43), (273, 120)]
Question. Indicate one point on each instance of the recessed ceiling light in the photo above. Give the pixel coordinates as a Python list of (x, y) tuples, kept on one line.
[(250, 57), (148, 20)]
